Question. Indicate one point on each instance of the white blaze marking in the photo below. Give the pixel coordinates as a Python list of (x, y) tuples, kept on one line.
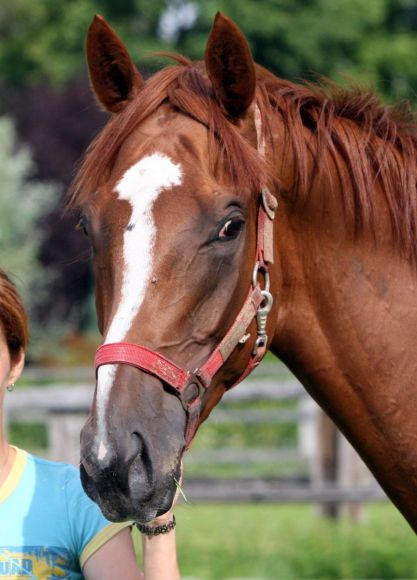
[(140, 186), (102, 451)]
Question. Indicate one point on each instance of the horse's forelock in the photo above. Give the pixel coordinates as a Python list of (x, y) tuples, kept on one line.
[(186, 88)]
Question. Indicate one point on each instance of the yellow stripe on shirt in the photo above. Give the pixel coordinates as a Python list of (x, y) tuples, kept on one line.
[(100, 539), (15, 474)]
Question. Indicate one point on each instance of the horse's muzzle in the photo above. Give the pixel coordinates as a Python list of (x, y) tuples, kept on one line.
[(129, 490), (130, 465)]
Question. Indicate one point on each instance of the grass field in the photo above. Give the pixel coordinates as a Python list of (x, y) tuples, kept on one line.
[(292, 542)]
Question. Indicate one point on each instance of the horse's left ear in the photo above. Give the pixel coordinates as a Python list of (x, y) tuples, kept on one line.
[(114, 77), (230, 66)]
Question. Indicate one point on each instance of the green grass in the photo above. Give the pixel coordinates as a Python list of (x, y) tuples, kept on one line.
[(292, 542)]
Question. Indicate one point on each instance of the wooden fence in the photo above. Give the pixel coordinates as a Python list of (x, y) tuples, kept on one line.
[(337, 478)]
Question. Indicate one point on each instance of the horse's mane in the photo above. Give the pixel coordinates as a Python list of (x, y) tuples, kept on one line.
[(369, 143)]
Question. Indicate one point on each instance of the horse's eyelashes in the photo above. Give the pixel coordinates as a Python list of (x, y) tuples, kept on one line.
[(82, 225)]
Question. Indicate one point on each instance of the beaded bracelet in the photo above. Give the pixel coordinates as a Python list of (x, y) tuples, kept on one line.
[(156, 530)]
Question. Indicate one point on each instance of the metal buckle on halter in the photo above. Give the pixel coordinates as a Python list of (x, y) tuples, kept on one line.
[(193, 390), (269, 202), (263, 309)]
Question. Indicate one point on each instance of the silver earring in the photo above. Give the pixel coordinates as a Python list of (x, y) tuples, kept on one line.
[(10, 387)]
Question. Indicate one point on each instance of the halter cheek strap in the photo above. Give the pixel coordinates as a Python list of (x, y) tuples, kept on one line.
[(190, 386)]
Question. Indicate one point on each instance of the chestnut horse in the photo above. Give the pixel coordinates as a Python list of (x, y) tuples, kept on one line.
[(230, 212)]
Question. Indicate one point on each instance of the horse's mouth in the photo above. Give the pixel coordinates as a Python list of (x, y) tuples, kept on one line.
[(138, 502)]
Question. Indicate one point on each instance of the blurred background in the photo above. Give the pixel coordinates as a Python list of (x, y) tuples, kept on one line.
[(261, 447)]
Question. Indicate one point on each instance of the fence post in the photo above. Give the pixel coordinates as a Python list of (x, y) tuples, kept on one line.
[(352, 472), (307, 430), (64, 436), (325, 471)]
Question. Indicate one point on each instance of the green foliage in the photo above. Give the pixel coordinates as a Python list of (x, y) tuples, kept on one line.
[(292, 542), (43, 41), (22, 204), (372, 42)]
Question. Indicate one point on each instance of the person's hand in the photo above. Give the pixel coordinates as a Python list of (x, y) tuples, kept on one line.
[(159, 550)]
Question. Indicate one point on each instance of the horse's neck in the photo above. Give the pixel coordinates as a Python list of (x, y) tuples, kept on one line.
[(350, 296), (347, 327), (345, 306)]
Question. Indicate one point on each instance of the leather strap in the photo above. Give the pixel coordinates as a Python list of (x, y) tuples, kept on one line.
[(144, 359), (232, 338)]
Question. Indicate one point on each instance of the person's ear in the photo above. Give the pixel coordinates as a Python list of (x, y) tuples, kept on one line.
[(16, 368)]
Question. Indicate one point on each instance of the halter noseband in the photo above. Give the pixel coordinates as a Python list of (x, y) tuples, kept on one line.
[(190, 386)]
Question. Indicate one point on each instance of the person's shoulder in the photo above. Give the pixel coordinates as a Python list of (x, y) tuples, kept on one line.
[(53, 466), (55, 471)]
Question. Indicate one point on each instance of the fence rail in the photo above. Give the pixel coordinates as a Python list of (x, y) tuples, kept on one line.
[(275, 490)]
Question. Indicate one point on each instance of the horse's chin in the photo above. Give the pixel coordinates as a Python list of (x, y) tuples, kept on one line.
[(138, 503), (123, 513)]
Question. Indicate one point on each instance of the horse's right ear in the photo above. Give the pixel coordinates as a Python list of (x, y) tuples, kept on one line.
[(114, 77)]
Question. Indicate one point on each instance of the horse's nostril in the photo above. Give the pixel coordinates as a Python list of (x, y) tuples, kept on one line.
[(138, 442), (139, 448), (143, 455)]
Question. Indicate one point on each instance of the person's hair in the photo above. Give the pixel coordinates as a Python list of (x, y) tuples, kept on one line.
[(13, 317)]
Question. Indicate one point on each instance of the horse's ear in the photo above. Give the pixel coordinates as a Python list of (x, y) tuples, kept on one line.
[(230, 66), (114, 77)]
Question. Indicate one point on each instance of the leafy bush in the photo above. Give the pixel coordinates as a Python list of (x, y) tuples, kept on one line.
[(23, 202)]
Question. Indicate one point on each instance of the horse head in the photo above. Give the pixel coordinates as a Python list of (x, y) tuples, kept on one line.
[(169, 196)]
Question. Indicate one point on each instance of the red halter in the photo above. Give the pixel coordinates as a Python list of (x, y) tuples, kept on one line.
[(190, 386)]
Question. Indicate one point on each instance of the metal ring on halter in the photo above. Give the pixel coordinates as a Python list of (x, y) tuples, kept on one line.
[(258, 268)]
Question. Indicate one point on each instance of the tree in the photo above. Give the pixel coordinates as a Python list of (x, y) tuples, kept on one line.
[(372, 42), (43, 41), (22, 204)]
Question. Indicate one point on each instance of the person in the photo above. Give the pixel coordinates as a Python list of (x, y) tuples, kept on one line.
[(49, 528)]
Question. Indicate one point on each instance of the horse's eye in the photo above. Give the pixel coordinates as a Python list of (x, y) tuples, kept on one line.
[(82, 225), (231, 229)]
